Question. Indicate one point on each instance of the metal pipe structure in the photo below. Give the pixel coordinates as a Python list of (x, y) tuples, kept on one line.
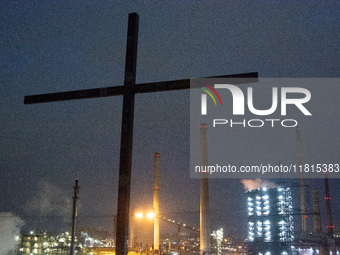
[(74, 215), (204, 195), (316, 213), (156, 203), (304, 217)]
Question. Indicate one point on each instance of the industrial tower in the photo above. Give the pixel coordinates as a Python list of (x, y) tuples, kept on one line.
[(270, 221), (156, 203), (204, 195)]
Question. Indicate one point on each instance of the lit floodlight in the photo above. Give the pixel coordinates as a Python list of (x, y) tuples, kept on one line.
[(139, 215), (150, 215)]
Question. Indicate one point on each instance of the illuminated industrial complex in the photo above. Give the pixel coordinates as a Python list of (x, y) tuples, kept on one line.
[(270, 221)]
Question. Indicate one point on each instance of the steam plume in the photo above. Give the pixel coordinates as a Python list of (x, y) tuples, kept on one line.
[(50, 200), (9, 229), (250, 184)]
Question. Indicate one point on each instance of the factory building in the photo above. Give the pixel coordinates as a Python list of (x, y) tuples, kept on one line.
[(270, 221)]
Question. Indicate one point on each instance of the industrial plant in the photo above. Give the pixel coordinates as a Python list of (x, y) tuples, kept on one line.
[(270, 221), (272, 224)]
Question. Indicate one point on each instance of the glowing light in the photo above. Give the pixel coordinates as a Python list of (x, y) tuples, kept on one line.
[(139, 215), (150, 215)]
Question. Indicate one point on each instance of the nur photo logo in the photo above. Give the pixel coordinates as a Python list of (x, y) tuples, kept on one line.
[(281, 98)]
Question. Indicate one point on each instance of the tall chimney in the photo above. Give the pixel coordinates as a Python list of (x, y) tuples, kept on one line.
[(204, 195), (329, 226), (74, 218), (132, 227), (316, 213), (114, 229), (304, 227), (156, 203)]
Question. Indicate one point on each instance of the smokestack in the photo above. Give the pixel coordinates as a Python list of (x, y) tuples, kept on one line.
[(132, 227), (114, 228), (304, 229), (329, 226), (316, 213), (74, 215), (156, 203), (204, 195)]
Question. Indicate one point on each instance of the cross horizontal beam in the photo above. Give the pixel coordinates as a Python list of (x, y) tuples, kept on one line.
[(138, 88)]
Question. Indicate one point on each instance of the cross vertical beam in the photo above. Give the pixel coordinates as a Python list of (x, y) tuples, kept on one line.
[(124, 183)]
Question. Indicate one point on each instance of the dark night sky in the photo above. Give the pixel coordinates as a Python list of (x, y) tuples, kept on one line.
[(59, 46)]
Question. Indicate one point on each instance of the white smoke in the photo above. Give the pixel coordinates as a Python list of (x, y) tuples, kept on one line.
[(10, 225), (250, 184), (50, 200)]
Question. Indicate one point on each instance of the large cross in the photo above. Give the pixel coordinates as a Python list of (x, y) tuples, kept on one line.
[(128, 90)]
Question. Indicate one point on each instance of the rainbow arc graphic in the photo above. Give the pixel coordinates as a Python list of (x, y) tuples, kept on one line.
[(204, 97), (209, 93)]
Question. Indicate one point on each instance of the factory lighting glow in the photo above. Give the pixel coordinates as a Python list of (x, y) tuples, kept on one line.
[(272, 214)]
